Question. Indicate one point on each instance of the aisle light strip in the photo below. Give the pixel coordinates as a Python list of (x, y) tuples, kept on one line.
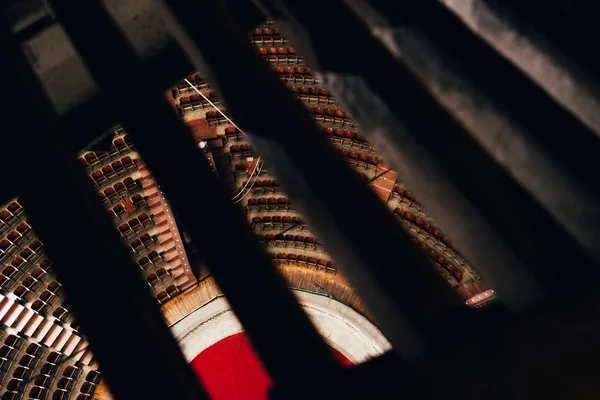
[(235, 126)]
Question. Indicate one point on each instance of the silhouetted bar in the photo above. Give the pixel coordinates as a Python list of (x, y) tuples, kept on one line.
[(562, 61), (278, 328), (136, 351), (496, 224), (369, 246), (542, 145)]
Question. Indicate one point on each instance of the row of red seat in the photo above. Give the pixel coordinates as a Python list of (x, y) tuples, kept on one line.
[(361, 159), (267, 39), (432, 230), (168, 293), (401, 192), (11, 212), (142, 243), (119, 211), (270, 203), (294, 259), (215, 118), (157, 277), (442, 261), (136, 224), (347, 138), (299, 75), (305, 242), (119, 148), (195, 102), (265, 186), (266, 32), (239, 151), (232, 133), (279, 55), (330, 116), (116, 170), (277, 221), (314, 95), (196, 80), (115, 192), (153, 259)]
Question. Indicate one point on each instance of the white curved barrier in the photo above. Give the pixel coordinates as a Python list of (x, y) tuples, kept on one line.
[(343, 328)]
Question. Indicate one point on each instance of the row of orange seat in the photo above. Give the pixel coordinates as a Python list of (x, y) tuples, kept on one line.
[(119, 211), (278, 221), (442, 261), (265, 186), (196, 80), (232, 133), (314, 95), (361, 159), (279, 55), (168, 293), (270, 203), (330, 116), (216, 118), (431, 230), (136, 224), (115, 170), (239, 151), (114, 193), (119, 148), (299, 260), (347, 138), (11, 213), (299, 75), (266, 32), (157, 277), (304, 242)]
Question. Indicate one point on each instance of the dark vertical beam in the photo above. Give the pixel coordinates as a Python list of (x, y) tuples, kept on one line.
[(404, 293), (280, 331), (532, 47), (135, 349), (544, 147), (474, 199)]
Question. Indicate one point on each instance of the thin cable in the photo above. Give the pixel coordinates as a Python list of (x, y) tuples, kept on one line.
[(249, 179), (224, 116), (250, 188)]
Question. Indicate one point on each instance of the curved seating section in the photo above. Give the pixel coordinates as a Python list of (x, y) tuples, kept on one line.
[(341, 131), (38, 329), (126, 194), (45, 361)]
